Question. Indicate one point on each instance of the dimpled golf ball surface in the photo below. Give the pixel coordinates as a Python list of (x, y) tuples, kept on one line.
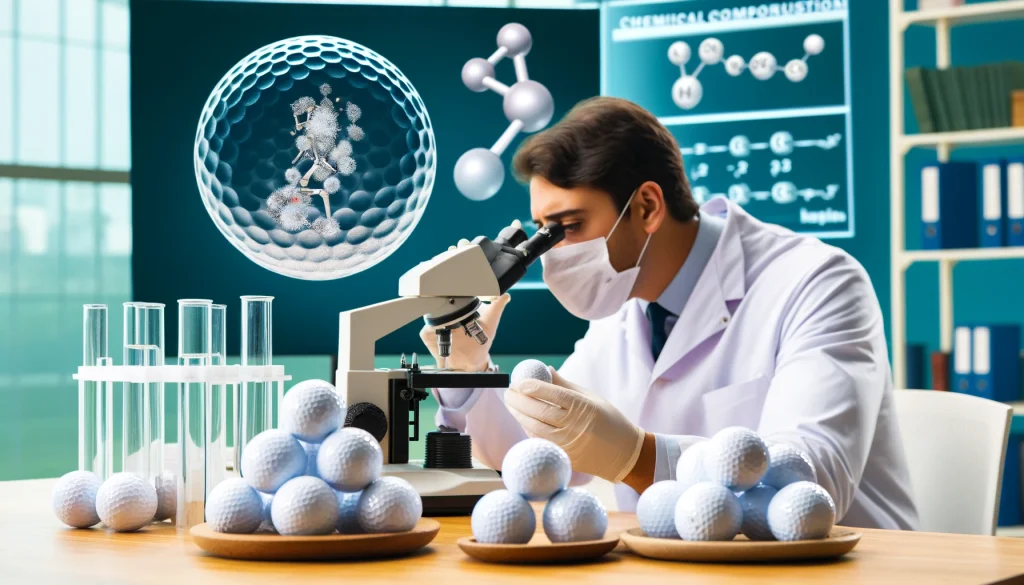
[(530, 370), (244, 146), (166, 495), (690, 467), (350, 459), (755, 512), (74, 499), (271, 458), (655, 510), (234, 507), (801, 511), (304, 506), (708, 511), (574, 515), (311, 410), (126, 502), (736, 458), (389, 504), (536, 469), (503, 517), (787, 465), (348, 513)]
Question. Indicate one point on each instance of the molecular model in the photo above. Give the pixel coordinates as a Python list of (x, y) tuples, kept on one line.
[(687, 91), (528, 105)]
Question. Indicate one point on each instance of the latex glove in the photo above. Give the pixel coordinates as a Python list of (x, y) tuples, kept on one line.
[(598, 438)]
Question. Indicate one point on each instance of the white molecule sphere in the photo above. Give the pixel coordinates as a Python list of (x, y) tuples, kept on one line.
[(479, 174), (700, 148), (814, 44), (536, 469), (503, 517), (755, 512), (736, 458), (687, 92), (763, 65), (739, 193), (529, 102), (781, 143), (126, 502), (311, 410), (655, 510), (166, 485), (348, 513), (530, 370), (574, 515), (796, 70), (474, 72), (784, 192), (787, 465), (735, 65), (679, 53), (304, 506), (515, 38), (708, 511), (701, 194), (271, 458), (390, 504), (350, 459), (234, 507), (711, 51), (739, 146), (801, 511), (690, 467), (74, 499)]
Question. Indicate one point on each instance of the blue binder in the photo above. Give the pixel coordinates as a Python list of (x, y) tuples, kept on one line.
[(992, 191), (949, 205), (1010, 497), (996, 363), (961, 379), (1015, 202)]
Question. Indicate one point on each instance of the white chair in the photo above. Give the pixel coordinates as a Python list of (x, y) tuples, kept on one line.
[(955, 446)]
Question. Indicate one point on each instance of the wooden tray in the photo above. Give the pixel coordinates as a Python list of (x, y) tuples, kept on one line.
[(839, 542), (538, 552), (273, 547)]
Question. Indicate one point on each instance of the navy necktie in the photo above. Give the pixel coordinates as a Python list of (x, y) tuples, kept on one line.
[(657, 315)]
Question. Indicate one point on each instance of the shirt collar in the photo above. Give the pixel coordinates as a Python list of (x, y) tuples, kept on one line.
[(675, 295)]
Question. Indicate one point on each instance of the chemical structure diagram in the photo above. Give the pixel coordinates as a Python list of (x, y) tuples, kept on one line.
[(528, 106), (687, 91), (316, 131)]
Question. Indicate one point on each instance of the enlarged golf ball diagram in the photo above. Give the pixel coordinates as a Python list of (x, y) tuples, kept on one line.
[(315, 157)]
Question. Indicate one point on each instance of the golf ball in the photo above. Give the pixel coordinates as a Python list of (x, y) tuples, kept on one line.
[(736, 458), (304, 506), (272, 458), (267, 520), (315, 157), (389, 504), (655, 510), (311, 449), (166, 485), (503, 517), (755, 512), (126, 502), (74, 499), (801, 511), (348, 513), (690, 467), (311, 410), (574, 515), (787, 465), (350, 459), (536, 469), (530, 370), (708, 511), (234, 507)]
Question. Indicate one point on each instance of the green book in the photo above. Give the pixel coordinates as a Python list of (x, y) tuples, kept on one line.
[(954, 98), (937, 100), (1002, 97), (968, 87), (981, 82), (919, 100)]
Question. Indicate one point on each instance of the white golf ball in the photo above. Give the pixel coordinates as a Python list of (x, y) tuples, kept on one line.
[(656, 508), (304, 506), (267, 520), (271, 458), (389, 504), (574, 515), (536, 469), (350, 459), (126, 502), (311, 410), (503, 517), (787, 465), (74, 499), (234, 507), (690, 467), (755, 512), (708, 511), (166, 485), (348, 513), (311, 450), (736, 458), (530, 370), (801, 511)]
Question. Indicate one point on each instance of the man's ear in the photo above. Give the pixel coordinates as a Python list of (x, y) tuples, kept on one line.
[(651, 199)]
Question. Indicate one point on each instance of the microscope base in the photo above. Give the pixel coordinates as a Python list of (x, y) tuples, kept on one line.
[(447, 492)]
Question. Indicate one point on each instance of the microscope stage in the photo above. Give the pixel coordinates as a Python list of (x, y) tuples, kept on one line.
[(447, 492)]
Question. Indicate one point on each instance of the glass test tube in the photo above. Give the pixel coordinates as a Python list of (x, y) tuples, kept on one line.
[(135, 433), (194, 344), (91, 395), (216, 404), (144, 345), (255, 403)]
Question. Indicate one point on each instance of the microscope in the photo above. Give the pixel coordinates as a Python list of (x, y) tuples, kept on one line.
[(445, 292)]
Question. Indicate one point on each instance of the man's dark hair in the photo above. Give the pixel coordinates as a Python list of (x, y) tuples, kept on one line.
[(613, 145)]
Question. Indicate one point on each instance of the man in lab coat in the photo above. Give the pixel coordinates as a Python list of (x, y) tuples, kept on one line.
[(701, 318)]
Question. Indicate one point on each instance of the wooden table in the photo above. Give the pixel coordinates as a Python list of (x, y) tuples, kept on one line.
[(35, 549)]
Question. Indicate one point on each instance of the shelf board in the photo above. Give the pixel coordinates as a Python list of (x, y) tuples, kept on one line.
[(966, 14), (959, 255), (984, 137)]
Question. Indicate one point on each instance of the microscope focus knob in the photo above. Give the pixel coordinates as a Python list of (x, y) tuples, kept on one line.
[(368, 417)]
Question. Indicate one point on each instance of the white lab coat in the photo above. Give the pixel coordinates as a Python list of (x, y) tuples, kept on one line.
[(782, 334)]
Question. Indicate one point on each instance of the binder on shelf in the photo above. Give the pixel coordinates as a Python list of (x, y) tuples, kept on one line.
[(940, 371), (1015, 202), (915, 365), (996, 363), (1010, 502), (993, 204), (961, 379), (949, 209)]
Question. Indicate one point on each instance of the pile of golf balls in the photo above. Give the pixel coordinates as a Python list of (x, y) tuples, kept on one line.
[(125, 502), (313, 476), (537, 470), (733, 483)]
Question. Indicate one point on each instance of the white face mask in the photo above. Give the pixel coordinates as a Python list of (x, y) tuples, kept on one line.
[(582, 278)]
